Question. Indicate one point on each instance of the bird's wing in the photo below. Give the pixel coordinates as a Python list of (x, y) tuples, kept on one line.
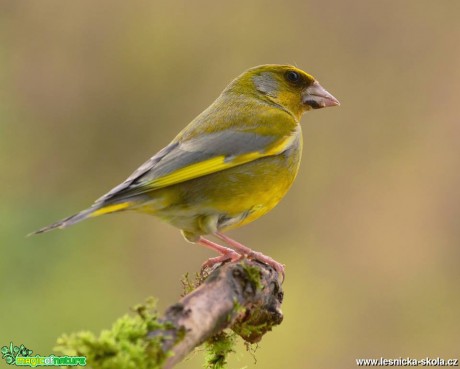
[(182, 161)]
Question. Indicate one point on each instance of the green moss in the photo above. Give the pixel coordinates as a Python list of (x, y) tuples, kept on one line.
[(217, 349), (253, 275), (252, 325), (189, 285), (124, 346), (238, 309), (250, 332)]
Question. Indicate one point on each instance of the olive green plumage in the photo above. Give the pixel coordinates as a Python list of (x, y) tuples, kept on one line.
[(232, 164)]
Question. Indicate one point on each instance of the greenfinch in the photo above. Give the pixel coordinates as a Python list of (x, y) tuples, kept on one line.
[(232, 164)]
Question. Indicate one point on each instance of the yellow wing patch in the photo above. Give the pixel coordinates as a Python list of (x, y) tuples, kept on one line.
[(110, 209), (191, 171), (282, 145), (217, 164)]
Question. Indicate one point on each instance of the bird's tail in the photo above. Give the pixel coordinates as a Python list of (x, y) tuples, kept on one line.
[(93, 211)]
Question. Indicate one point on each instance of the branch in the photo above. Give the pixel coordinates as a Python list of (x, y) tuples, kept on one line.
[(244, 296)]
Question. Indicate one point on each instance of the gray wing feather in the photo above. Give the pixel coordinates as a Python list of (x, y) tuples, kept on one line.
[(139, 172), (181, 154)]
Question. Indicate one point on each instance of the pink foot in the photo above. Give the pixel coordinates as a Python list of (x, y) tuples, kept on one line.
[(211, 262), (226, 254), (244, 250)]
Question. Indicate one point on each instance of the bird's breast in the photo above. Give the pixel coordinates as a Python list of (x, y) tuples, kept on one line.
[(264, 183)]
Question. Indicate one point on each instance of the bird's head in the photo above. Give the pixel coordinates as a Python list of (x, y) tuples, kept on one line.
[(287, 86)]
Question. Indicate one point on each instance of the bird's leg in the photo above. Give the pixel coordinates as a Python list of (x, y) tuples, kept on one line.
[(244, 250), (225, 253)]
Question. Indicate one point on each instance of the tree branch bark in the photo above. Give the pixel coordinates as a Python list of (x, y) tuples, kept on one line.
[(245, 296)]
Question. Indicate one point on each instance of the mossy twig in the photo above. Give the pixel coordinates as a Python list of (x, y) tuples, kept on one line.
[(244, 296)]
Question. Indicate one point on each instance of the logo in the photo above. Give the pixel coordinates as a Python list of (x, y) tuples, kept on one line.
[(22, 356)]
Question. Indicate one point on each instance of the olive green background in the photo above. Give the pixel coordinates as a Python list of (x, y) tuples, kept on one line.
[(369, 232)]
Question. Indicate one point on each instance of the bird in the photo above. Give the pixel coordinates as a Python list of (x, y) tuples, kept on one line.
[(229, 166)]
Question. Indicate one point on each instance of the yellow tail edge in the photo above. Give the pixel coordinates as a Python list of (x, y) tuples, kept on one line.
[(93, 211)]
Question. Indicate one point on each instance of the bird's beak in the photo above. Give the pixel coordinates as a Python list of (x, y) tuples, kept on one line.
[(316, 97)]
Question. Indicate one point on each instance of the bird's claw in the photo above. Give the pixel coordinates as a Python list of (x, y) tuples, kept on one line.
[(236, 253), (212, 262), (279, 268)]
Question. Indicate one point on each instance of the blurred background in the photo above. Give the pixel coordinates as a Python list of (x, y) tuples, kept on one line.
[(369, 232)]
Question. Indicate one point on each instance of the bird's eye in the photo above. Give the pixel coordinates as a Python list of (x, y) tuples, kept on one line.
[(292, 77)]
